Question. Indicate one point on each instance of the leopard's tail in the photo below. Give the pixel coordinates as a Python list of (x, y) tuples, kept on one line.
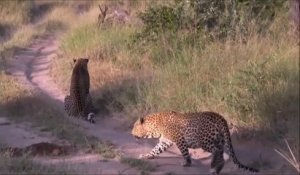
[(229, 147)]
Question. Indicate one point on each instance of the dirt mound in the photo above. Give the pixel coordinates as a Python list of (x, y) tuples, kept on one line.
[(39, 149)]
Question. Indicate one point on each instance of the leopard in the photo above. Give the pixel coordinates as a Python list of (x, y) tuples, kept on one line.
[(79, 102), (207, 130)]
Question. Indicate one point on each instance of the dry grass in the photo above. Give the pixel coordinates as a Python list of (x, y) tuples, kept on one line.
[(26, 166), (290, 157), (14, 26), (106, 150), (252, 81), (10, 88), (15, 12), (143, 165)]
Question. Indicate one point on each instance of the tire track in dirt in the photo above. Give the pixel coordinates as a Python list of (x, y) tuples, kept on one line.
[(32, 66)]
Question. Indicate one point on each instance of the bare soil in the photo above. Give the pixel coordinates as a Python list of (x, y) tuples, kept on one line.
[(31, 65), (39, 149)]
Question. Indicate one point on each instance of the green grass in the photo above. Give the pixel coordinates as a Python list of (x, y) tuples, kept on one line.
[(253, 82), (98, 43), (106, 48)]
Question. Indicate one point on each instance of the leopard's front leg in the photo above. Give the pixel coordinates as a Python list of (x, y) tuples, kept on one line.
[(158, 149), (88, 108)]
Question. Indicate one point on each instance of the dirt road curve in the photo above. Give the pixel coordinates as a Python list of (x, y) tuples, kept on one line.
[(31, 65)]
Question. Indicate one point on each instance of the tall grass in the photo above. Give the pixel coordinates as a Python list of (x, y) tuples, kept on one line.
[(16, 12), (252, 81), (14, 15), (105, 47)]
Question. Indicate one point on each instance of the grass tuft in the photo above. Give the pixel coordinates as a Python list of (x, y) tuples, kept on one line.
[(291, 157), (26, 166), (105, 148), (142, 165)]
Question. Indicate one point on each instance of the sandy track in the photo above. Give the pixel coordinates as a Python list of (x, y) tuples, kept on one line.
[(32, 66), (20, 135)]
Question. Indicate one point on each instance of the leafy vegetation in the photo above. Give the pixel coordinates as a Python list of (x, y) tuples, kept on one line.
[(218, 19)]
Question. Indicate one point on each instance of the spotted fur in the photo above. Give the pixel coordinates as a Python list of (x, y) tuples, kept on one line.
[(79, 102), (206, 130)]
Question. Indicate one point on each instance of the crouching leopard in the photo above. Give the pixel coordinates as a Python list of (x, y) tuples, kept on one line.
[(206, 130), (79, 102)]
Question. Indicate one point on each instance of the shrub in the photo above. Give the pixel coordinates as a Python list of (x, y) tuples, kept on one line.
[(218, 18), (158, 20)]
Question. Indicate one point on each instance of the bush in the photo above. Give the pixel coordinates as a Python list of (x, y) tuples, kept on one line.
[(218, 18), (267, 92), (159, 20)]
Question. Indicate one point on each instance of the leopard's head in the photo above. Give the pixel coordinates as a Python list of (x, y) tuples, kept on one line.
[(81, 62), (145, 128)]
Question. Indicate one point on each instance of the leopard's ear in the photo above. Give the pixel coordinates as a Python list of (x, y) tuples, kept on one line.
[(141, 120), (86, 59)]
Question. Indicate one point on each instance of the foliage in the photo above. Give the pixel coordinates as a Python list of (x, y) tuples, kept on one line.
[(159, 19), (218, 18)]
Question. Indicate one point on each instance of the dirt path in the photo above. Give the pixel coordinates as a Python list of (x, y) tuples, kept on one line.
[(20, 135), (32, 66)]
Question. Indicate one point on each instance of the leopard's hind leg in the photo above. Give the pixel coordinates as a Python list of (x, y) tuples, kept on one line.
[(68, 105), (218, 161)]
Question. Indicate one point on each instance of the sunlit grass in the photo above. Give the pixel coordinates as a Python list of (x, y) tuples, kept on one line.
[(252, 82)]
